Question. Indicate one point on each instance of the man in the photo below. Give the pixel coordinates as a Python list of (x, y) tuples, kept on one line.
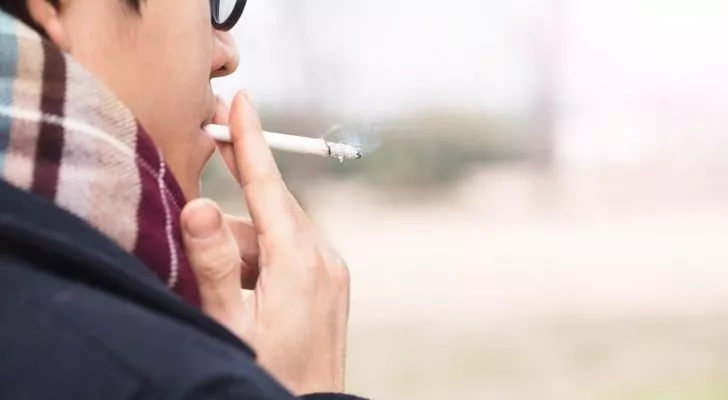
[(110, 264)]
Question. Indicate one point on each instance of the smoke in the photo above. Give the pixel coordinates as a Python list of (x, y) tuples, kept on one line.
[(366, 137)]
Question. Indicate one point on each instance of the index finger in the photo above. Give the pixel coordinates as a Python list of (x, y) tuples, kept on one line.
[(227, 152), (270, 203)]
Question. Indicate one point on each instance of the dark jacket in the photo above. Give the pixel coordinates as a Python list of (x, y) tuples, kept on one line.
[(82, 319)]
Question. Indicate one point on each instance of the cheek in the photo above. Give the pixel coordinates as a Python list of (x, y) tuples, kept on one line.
[(179, 38), (179, 70)]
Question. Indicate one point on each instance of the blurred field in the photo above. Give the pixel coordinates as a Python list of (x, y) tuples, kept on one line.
[(545, 214), (519, 285), (638, 357)]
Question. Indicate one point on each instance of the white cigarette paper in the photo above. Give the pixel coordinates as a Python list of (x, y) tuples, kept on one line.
[(295, 144)]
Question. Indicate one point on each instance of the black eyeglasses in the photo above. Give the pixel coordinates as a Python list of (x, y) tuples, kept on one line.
[(226, 13)]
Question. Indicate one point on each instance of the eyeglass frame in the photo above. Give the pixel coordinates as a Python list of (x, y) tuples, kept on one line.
[(231, 20)]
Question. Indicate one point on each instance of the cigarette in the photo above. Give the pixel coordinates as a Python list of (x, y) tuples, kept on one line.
[(295, 144)]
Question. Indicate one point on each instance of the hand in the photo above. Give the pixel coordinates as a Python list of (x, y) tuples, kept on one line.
[(296, 317)]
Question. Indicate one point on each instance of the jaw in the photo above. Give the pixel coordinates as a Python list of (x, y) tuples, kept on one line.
[(187, 164)]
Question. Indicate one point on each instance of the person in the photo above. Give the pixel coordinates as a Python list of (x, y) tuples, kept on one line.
[(117, 280)]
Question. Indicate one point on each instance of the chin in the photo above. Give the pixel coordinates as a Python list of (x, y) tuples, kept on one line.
[(190, 163), (200, 155)]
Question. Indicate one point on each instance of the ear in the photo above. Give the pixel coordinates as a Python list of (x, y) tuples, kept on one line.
[(48, 17)]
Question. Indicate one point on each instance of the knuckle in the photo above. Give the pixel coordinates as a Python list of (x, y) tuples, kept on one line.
[(290, 221), (216, 264), (341, 275), (307, 258), (311, 259), (218, 269), (265, 184)]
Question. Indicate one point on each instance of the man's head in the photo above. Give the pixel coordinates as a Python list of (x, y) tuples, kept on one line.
[(157, 56)]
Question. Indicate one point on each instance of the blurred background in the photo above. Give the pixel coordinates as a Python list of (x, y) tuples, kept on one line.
[(543, 211)]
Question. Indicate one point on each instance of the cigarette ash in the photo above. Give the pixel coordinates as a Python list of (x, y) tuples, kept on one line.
[(364, 137)]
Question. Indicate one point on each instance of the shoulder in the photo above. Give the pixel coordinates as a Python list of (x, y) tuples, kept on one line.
[(82, 319), (63, 336)]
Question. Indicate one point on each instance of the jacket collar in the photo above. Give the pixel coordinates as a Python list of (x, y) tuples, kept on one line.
[(32, 221)]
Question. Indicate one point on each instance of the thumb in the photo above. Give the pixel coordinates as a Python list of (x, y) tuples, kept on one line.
[(215, 259)]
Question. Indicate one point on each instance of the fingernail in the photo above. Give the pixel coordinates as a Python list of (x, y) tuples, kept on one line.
[(204, 219)]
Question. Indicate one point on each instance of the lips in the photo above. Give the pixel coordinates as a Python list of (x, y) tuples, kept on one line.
[(209, 115), (208, 120)]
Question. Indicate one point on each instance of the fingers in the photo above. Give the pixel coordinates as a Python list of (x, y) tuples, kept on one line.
[(227, 152), (246, 237), (214, 256), (222, 113), (255, 160), (272, 207)]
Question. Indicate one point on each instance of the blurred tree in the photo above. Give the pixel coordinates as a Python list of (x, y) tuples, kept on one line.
[(547, 34), (418, 154)]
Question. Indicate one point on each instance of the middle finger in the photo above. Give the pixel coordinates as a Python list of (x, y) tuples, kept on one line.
[(246, 237)]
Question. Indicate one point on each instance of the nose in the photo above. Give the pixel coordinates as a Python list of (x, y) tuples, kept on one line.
[(225, 57)]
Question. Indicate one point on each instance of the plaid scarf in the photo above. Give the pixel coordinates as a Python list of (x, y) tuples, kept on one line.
[(64, 136)]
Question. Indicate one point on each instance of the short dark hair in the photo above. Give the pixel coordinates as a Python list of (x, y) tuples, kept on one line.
[(19, 9)]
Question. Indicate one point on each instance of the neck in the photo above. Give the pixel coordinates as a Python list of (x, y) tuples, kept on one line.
[(66, 137)]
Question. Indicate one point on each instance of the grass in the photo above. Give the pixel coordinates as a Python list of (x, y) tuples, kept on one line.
[(712, 390), (658, 358)]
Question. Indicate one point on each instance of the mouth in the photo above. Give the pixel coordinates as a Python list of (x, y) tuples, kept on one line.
[(210, 114)]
